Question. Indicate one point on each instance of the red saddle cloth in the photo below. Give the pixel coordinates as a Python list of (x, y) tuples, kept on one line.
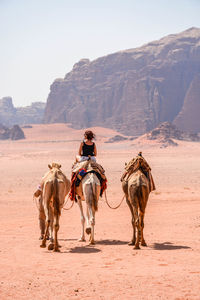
[(72, 194), (76, 177)]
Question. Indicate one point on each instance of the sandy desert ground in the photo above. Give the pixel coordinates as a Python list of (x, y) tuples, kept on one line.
[(167, 269)]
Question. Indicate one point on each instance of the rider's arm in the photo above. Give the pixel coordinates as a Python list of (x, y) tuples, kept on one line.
[(95, 150), (80, 149)]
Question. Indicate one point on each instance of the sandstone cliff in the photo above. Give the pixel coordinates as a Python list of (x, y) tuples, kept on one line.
[(9, 115), (134, 90)]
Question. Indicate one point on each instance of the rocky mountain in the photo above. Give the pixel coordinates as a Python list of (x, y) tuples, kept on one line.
[(9, 115), (134, 90), (14, 133)]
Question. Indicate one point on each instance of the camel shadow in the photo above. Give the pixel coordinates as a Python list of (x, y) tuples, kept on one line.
[(84, 250), (67, 240), (168, 246), (111, 242)]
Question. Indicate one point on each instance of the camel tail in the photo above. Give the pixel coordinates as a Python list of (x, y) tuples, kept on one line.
[(137, 195), (94, 196), (56, 203), (142, 195)]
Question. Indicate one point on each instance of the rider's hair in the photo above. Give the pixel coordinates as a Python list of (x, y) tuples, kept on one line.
[(89, 135)]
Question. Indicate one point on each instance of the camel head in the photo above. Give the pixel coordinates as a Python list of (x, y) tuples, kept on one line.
[(54, 165)]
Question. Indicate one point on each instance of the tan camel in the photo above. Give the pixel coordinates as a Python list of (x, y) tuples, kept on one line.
[(55, 187), (136, 187), (89, 190)]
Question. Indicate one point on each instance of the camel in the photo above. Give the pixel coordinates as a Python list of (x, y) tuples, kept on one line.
[(136, 188), (88, 190), (55, 187)]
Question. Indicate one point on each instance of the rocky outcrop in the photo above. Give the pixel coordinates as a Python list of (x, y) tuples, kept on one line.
[(116, 138), (166, 132), (132, 91), (14, 133), (9, 115)]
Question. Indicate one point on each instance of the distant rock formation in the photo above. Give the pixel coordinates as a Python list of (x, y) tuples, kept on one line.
[(9, 115), (116, 138), (14, 133), (166, 132), (133, 91), (188, 118)]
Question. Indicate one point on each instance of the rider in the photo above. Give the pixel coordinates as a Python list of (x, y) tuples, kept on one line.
[(87, 147)]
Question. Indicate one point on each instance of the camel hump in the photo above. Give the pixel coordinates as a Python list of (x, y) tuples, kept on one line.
[(60, 180), (49, 182)]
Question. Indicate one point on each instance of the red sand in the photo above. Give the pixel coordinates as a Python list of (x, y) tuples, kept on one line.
[(167, 269)]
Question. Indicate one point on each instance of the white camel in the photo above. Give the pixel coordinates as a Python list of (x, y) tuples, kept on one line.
[(90, 186)]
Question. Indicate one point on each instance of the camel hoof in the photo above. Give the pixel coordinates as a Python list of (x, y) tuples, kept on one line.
[(43, 246), (131, 243), (56, 250), (136, 247), (51, 246), (92, 242), (88, 230), (144, 244), (82, 240)]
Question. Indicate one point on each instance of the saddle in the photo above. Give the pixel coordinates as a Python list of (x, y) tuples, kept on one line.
[(79, 171), (139, 163)]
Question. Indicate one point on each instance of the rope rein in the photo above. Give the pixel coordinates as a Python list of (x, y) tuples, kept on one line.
[(35, 199), (68, 208), (109, 204)]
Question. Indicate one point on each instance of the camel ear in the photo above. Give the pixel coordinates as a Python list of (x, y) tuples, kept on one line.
[(50, 167), (125, 164), (59, 166)]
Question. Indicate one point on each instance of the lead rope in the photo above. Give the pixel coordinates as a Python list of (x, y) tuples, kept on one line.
[(109, 204), (36, 202), (68, 208)]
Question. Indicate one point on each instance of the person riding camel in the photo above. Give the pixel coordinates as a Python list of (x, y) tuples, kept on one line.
[(87, 148), (86, 162)]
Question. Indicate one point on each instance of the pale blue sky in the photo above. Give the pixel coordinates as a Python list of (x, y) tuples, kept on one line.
[(41, 40)]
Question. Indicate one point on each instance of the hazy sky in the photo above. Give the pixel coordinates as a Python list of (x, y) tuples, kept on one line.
[(41, 40)]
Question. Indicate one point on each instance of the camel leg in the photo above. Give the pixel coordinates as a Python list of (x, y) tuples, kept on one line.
[(88, 227), (51, 244), (46, 209), (56, 228), (41, 219), (143, 203), (82, 238), (92, 223), (137, 226), (143, 243), (46, 206), (132, 242), (43, 245)]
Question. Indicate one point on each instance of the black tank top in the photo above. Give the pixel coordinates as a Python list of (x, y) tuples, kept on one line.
[(87, 149)]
